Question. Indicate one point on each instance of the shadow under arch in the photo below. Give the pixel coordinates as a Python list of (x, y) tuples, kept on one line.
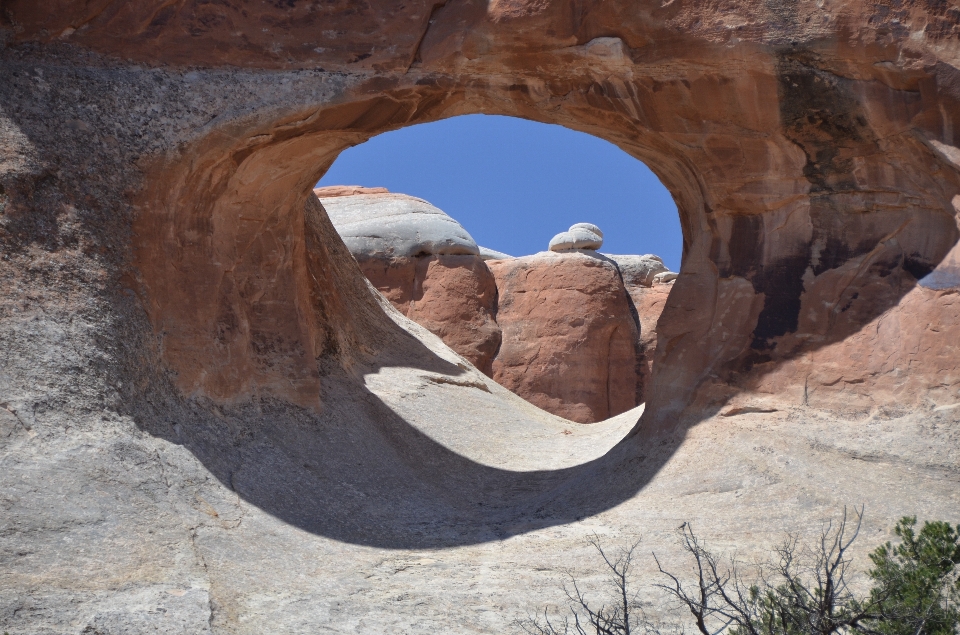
[(257, 299), (359, 473)]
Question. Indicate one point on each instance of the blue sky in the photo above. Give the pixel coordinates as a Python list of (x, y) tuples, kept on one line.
[(513, 183)]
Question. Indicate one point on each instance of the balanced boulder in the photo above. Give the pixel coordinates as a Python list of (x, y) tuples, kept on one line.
[(579, 236)]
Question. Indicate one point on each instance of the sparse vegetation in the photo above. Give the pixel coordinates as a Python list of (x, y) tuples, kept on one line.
[(802, 590), (623, 616)]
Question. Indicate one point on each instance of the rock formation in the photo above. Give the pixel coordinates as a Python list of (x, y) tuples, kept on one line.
[(644, 279), (208, 425), (424, 262), (493, 254), (569, 337), (557, 331), (816, 163), (579, 236), (386, 225)]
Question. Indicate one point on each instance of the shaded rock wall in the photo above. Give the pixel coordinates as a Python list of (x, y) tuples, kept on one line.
[(648, 303)]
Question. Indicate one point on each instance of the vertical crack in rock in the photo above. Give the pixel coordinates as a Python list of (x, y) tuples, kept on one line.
[(434, 10)]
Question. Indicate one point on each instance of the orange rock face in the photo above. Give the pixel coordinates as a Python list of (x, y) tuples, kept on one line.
[(454, 296), (569, 339)]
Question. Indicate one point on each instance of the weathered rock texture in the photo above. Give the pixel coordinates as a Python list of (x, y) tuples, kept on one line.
[(649, 282), (642, 277), (332, 191), (388, 225), (493, 254), (579, 236), (424, 262), (207, 425), (569, 337)]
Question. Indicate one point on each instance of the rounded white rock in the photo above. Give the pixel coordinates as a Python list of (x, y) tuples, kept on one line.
[(577, 237), (590, 227), (638, 270), (396, 225), (665, 276), (492, 254)]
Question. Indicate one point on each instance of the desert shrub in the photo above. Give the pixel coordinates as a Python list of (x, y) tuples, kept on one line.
[(917, 582), (802, 590), (621, 614)]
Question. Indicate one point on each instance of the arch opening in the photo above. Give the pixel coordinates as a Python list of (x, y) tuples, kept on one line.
[(572, 330)]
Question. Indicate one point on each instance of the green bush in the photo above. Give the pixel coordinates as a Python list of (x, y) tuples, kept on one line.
[(916, 583)]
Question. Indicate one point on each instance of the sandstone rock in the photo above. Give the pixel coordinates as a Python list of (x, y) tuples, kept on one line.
[(492, 254), (219, 429), (331, 191), (782, 168), (385, 225), (664, 277), (649, 302), (579, 236), (569, 337), (454, 296), (648, 283), (425, 263), (638, 271), (590, 227)]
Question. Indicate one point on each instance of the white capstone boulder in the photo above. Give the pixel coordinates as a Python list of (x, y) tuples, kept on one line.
[(665, 277), (590, 227), (579, 236), (388, 225), (492, 254)]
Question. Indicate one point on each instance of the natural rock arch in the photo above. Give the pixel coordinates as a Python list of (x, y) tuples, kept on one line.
[(155, 216), (814, 177)]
